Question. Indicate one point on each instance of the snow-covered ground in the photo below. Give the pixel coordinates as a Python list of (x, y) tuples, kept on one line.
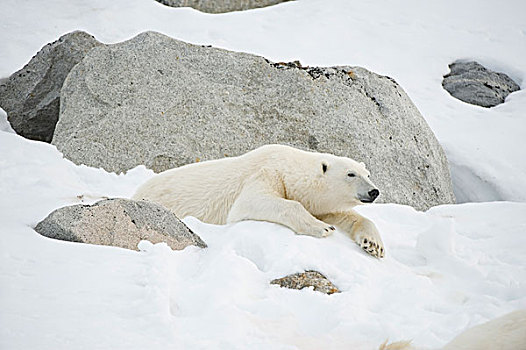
[(446, 269)]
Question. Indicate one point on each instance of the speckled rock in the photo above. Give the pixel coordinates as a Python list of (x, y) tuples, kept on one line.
[(164, 103), (314, 279), (31, 96), (473, 83), (120, 223), (221, 6)]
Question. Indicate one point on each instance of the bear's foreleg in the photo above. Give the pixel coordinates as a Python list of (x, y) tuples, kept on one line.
[(281, 211), (262, 198), (360, 229)]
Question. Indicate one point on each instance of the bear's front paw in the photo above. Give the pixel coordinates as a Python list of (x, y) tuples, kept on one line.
[(318, 230), (367, 237), (373, 247)]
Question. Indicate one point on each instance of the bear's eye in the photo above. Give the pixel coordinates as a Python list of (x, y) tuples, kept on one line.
[(351, 175)]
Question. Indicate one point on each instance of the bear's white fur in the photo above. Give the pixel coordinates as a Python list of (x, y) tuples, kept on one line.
[(504, 333), (305, 191)]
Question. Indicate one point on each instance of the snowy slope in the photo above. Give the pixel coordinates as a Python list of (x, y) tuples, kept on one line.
[(446, 269)]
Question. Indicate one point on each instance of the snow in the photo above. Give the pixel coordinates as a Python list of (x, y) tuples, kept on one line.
[(446, 269)]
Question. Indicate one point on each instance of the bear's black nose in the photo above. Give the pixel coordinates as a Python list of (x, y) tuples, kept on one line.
[(373, 194)]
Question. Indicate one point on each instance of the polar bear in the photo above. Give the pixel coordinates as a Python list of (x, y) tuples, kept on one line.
[(308, 192), (507, 332)]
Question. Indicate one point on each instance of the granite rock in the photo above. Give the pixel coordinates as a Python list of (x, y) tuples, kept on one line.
[(473, 83), (120, 223), (31, 96), (221, 6), (314, 279), (161, 102)]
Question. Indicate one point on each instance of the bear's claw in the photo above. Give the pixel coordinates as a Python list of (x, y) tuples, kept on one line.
[(328, 230), (372, 248)]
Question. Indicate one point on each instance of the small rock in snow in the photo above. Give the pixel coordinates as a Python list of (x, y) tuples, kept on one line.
[(301, 280), (473, 83), (120, 223)]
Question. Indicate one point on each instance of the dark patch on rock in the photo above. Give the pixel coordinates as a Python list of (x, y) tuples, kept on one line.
[(313, 142), (162, 162), (301, 280), (473, 83), (286, 65), (343, 74)]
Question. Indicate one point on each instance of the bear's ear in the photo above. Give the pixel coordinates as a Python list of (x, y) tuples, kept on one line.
[(324, 167)]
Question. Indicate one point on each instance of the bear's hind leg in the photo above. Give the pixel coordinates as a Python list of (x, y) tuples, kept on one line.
[(360, 229)]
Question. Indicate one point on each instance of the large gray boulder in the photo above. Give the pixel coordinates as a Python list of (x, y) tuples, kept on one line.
[(473, 83), (164, 103), (220, 6), (120, 223), (31, 96)]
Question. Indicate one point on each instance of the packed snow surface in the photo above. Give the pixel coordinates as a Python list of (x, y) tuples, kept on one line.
[(449, 268), (446, 269)]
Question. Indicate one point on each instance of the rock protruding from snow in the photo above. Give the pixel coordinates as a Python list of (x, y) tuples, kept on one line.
[(164, 103), (473, 83), (120, 223), (221, 6), (301, 280), (31, 96)]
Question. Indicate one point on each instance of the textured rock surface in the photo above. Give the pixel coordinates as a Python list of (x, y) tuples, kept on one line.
[(164, 103), (31, 96), (221, 6), (472, 83), (120, 223), (307, 279)]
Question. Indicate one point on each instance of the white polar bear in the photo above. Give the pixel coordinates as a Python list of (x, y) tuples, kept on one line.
[(507, 332), (305, 191)]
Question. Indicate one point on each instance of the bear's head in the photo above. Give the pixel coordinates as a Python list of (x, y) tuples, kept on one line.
[(346, 183)]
